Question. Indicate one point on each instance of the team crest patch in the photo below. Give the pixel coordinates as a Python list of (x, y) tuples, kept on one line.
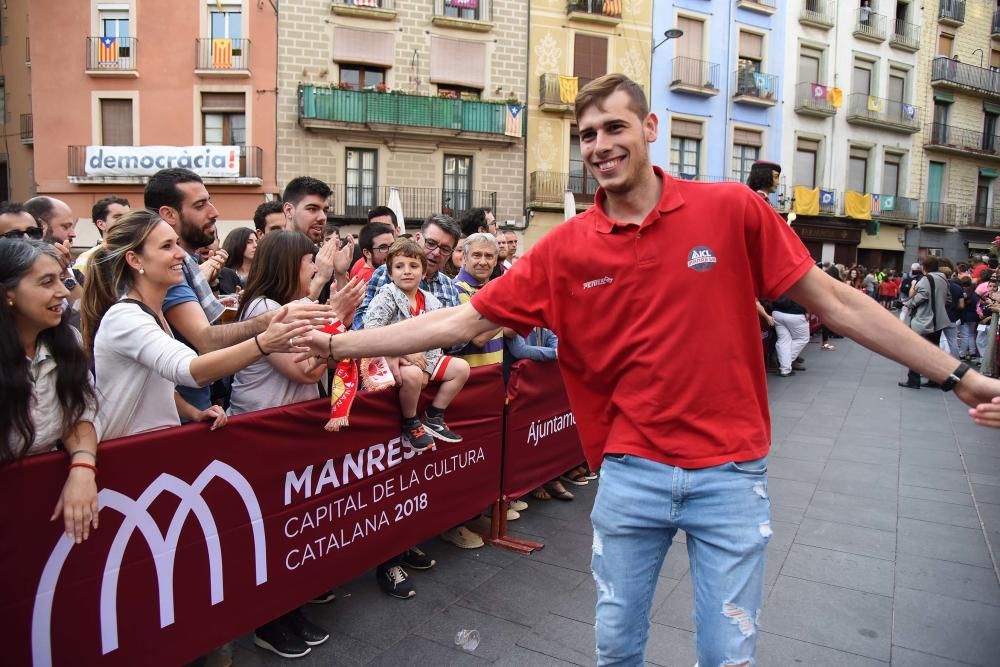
[(701, 258)]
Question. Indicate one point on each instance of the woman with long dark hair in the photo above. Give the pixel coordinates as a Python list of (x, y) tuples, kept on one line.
[(137, 361), (241, 244), (48, 394)]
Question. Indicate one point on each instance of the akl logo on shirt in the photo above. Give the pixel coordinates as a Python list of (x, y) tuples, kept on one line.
[(701, 258)]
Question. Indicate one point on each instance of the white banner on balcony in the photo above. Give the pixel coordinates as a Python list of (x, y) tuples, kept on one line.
[(206, 161)]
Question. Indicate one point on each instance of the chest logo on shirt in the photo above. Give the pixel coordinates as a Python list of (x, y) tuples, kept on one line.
[(701, 258), (606, 280)]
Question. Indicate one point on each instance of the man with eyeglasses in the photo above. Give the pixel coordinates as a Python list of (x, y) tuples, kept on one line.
[(17, 223), (374, 240), (438, 236)]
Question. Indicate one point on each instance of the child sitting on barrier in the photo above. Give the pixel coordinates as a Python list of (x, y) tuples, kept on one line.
[(402, 299)]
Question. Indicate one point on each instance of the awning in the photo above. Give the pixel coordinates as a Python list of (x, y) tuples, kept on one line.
[(979, 246)]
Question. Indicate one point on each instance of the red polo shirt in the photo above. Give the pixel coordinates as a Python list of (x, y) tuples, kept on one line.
[(659, 340)]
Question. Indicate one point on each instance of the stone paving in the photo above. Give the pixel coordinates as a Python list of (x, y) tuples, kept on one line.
[(886, 517)]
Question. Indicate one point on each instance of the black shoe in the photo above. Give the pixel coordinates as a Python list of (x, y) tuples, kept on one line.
[(786, 375), (306, 630), (415, 434), (418, 560), (278, 638), (395, 582), (324, 598), (436, 427), (798, 366), (931, 385), (909, 385)]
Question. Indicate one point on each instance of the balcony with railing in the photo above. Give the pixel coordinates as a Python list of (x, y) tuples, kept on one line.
[(905, 36), (829, 200), (939, 214), (896, 209), (995, 27), (948, 73), (379, 10), (760, 6), (818, 13), (27, 129), (421, 116), (694, 77), (881, 113), (222, 57), (951, 12), (595, 11), (351, 203), (112, 56), (755, 88), (547, 189), (474, 15), (557, 93), (812, 99), (870, 26), (219, 165), (960, 141), (978, 217)]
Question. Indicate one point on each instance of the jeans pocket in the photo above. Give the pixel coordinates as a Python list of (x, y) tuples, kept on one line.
[(615, 457), (754, 467)]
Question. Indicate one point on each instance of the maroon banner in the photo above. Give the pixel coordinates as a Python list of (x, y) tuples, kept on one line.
[(541, 441), (205, 535)]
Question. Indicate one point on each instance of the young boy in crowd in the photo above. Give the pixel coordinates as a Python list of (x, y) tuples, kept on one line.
[(400, 300)]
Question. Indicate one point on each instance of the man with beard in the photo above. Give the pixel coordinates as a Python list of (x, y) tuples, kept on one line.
[(58, 225), (180, 198)]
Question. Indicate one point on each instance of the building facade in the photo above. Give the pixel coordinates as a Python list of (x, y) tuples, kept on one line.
[(573, 42), (17, 168), (958, 153), (124, 106), (718, 87), (424, 98), (853, 115)]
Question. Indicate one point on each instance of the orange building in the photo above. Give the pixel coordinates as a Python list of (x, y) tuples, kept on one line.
[(120, 89)]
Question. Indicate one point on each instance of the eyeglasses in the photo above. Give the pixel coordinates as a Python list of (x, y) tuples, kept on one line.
[(381, 248), (431, 244), (31, 233)]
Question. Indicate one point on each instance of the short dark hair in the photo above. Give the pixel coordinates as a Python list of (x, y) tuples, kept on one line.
[(379, 211), (41, 208), (601, 88), (302, 186), (12, 208), (446, 223), (101, 206), (264, 210), (930, 264), (162, 190), (368, 233), (331, 227), (761, 175), (473, 220)]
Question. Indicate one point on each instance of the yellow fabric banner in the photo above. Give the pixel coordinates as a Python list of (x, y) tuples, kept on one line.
[(835, 96), (858, 205), (568, 88), (876, 104), (806, 200)]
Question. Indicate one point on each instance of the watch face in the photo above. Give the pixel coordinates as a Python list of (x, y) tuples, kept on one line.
[(69, 283)]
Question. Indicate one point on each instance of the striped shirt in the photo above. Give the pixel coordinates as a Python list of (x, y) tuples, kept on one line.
[(477, 355)]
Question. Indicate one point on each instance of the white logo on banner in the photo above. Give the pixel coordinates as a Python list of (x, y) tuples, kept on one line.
[(163, 548)]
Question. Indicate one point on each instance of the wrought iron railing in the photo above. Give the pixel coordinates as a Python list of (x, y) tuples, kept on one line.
[(821, 12), (610, 8), (881, 110), (978, 216), (222, 54), (112, 54), (813, 97), (951, 10), (697, 73), (374, 4), (905, 34), (354, 201), (961, 138), (549, 187), (939, 213), (870, 25), (748, 82), (27, 128), (961, 74), (471, 10), (902, 208)]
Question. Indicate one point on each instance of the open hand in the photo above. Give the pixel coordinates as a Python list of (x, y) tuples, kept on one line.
[(78, 504), (316, 314), (987, 414), (982, 395), (346, 300), (344, 255), (325, 260), (282, 332)]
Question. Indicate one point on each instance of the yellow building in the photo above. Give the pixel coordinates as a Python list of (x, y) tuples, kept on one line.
[(572, 42)]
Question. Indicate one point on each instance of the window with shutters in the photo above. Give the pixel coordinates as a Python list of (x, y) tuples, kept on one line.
[(810, 65), (994, 60), (746, 151), (685, 148), (590, 57), (751, 54), (946, 44), (857, 169), (861, 77), (361, 77), (362, 180), (805, 162), (897, 85), (458, 182), (223, 119), (891, 170), (115, 23), (116, 122), (990, 126)]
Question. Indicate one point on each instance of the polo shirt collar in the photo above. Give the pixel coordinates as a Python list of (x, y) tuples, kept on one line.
[(466, 277), (670, 199)]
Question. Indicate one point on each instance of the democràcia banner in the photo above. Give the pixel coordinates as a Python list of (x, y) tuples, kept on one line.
[(541, 441), (206, 161), (205, 535)]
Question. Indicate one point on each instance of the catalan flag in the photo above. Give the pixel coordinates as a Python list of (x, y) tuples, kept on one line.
[(512, 121), (107, 50), (222, 53)]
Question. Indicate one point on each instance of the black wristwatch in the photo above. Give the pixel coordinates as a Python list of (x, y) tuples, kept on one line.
[(955, 376), (69, 283)]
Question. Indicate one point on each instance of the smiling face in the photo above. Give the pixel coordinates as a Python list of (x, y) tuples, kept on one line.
[(197, 215), (61, 226), (438, 246), (614, 143), (308, 216), (160, 258), (38, 298), (480, 261), (406, 273)]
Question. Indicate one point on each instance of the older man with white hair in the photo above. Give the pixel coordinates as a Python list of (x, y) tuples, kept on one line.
[(481, 253)]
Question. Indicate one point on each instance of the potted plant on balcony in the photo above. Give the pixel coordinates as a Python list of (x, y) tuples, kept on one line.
[(344, 85), (382, 88)]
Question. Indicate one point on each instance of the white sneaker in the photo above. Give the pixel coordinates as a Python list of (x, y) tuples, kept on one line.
[(518, 505), (463, 538), (512, 514)]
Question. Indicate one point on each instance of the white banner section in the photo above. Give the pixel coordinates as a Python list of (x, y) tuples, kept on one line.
[(206, 161)]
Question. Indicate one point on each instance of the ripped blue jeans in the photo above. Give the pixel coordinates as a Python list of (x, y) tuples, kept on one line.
[(725, 512)]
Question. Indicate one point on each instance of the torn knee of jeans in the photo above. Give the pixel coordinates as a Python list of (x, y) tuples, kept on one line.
[(598, 547), (741, 618), (760, 489), (605, 590), (765, 529)]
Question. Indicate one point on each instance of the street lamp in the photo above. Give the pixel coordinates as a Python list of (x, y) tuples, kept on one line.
[(980, 57), (673, 33)]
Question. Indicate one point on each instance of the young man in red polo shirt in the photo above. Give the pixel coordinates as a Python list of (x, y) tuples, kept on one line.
[(682, 432)]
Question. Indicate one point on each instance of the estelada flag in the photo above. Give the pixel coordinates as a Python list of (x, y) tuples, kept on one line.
[(107, 50), (513, 121), (222, 53)]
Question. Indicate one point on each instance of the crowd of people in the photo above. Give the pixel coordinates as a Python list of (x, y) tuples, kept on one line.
[(158, 325)]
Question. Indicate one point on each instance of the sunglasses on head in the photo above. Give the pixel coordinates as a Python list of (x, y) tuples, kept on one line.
[(31, 233)]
